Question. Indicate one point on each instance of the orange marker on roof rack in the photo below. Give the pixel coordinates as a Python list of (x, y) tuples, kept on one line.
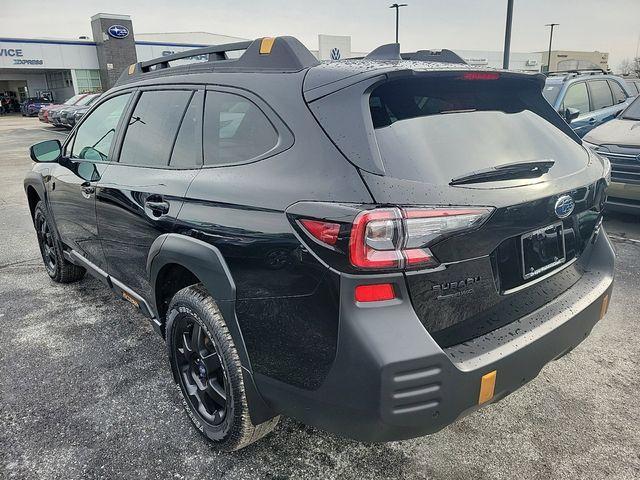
[(266, 45)]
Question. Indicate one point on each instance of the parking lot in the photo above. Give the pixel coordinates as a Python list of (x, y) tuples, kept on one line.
[(86, 390)]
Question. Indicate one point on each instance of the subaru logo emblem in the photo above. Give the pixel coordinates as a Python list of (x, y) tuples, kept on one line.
[(564, 206), (118, 31), (335, 54)]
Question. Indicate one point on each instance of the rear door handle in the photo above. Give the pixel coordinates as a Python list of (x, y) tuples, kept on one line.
[(159, 207)]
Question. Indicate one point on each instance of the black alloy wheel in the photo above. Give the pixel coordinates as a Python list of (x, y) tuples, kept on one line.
[(202, 373), (47, 244), (206, 367)]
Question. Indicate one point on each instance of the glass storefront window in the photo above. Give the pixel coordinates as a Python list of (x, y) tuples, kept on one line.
[(88, 81)]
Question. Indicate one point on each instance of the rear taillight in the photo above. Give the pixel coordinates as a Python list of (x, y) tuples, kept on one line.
[(325, 232), (392, 238)]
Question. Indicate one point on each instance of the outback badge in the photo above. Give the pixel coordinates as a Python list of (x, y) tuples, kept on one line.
[(564, 206)]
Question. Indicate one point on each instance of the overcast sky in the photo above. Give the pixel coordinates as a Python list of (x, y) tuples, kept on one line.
[(606, 25)]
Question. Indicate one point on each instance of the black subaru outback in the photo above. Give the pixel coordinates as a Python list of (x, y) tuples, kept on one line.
[(375, 246)]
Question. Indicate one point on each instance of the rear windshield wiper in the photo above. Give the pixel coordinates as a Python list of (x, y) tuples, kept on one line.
[(508, 171)]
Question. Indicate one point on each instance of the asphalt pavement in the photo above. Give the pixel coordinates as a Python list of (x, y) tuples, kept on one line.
[(86, 391)]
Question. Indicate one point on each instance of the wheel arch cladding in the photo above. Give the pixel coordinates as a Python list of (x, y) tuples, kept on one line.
[(35, 194), (187, 255)]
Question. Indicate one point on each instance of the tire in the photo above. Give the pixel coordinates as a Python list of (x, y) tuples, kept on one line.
[(59, 269), (206, 367)]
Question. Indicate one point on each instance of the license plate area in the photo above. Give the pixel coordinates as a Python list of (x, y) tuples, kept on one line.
[(542, 250)]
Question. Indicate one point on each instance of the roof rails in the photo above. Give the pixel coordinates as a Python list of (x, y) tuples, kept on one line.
[(268, 54), (443, 56), (567, 74)]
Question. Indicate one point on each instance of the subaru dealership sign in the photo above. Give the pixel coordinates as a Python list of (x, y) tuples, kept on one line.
[(118, 31)]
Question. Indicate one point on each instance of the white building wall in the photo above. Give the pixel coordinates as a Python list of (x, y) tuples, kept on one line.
[(528, 62), (200, 38)]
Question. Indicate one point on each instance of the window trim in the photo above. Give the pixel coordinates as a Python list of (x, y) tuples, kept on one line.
[(285, 138), (71, 138), (138, 93)]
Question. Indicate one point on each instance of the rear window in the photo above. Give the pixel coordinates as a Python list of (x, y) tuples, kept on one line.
[(73, 100), (633, 86), (86, 100), (632, 112), (235, 130), (433, 131), (618, 92)]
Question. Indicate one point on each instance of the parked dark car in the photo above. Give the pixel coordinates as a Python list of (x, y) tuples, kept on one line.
[(587, 99), (49, 115), (375, 247), (67, 115), (619, 141), (32, 105)]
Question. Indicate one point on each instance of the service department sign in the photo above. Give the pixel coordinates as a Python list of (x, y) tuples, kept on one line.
[(15, 56), (118, 31)]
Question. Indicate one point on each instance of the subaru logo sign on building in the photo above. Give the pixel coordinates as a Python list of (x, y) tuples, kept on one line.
[(564, 206), (118, 31), (335, 54)]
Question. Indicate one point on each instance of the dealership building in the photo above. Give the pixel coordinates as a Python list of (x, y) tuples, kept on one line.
[(61, 68)]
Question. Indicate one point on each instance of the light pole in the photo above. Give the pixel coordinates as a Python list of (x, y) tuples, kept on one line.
[(397, 6), (507, 35), (550, 40)]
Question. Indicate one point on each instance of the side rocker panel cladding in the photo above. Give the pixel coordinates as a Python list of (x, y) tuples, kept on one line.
[(206, 262)]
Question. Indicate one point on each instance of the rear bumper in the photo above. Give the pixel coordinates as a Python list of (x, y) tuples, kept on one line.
[(391, 380)]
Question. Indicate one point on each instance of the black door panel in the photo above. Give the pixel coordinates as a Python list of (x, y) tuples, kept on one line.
[(134, 206), (72, 203)]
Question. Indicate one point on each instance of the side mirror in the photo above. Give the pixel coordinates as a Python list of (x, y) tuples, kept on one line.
[(570, 114), (48, 151)]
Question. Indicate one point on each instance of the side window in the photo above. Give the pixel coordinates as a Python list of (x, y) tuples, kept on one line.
[(577, 97), (187, 151), (600, 94), (637, 85), (235, 130), (95, 134), (153, 127), (619, 94)]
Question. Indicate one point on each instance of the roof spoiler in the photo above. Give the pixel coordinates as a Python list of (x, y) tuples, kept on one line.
[(442, 56), (283, 54)]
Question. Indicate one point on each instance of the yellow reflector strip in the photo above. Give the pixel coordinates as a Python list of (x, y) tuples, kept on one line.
[(605, 306), (266, 45), (487, 386), (130, 299), (132, 68)]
